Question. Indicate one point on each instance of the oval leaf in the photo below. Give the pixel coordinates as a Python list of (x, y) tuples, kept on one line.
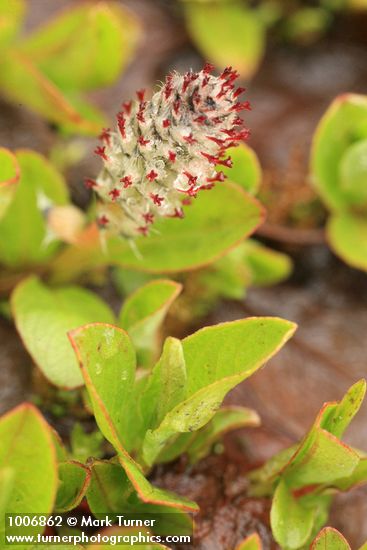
[(330, 539), (227, 34), (291, 523), (27, 448), (22, 82), (84, 47), (217, 359), (344, 123), (44, 316), (23, 228), (347, 235), (143, 313), (215, 222), (246, 169)]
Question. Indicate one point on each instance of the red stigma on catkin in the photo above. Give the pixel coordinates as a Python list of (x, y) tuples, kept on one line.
[(218, 141), (166, 123), (226, 162), (190, 139), (178, 213), (152, 175), (192, 192), (200, 119), (143, 230), (105, 135), (114, 194), (210, 158), (127, 181), (171, 156), (208, 68), (143, 141), (191, 179), (102, 221), (188, 78), (101, 151), (206, 187), (127, 107), (140, 113), (238, 92), (140, 95), (156, 199), (245, 106), (148, 218), (89, 183), (168, 88), (121, 123), (219, 177)]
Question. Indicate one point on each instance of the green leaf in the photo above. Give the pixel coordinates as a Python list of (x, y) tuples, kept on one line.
[(23, 228), (111, 492), (356, 479), (330, 539), (144, 311), (321, 457), (236, 348), (11, 17), (263, 478), (346, 410), (109, 489), (7, 476), (44, 316), (217, 359), (267, 266), (225, 420), (149, 493), (343, 125), (84, 47), (27, 448), (85, 445), (246, 169), (22, 82), (321, 460), (353, 173), (107, 360), (207, 233), (74, 479), (227, 34), (252, 542), (307, 24), (166, 386), (291, 523), (198, 444), (347, 235), (100, 349), (9, 177), (227, 277)]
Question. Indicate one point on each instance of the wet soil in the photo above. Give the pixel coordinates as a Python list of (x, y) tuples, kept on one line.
[(327, 298)]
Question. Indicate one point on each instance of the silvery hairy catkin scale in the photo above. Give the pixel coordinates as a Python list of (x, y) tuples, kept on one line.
[(165, 150)]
